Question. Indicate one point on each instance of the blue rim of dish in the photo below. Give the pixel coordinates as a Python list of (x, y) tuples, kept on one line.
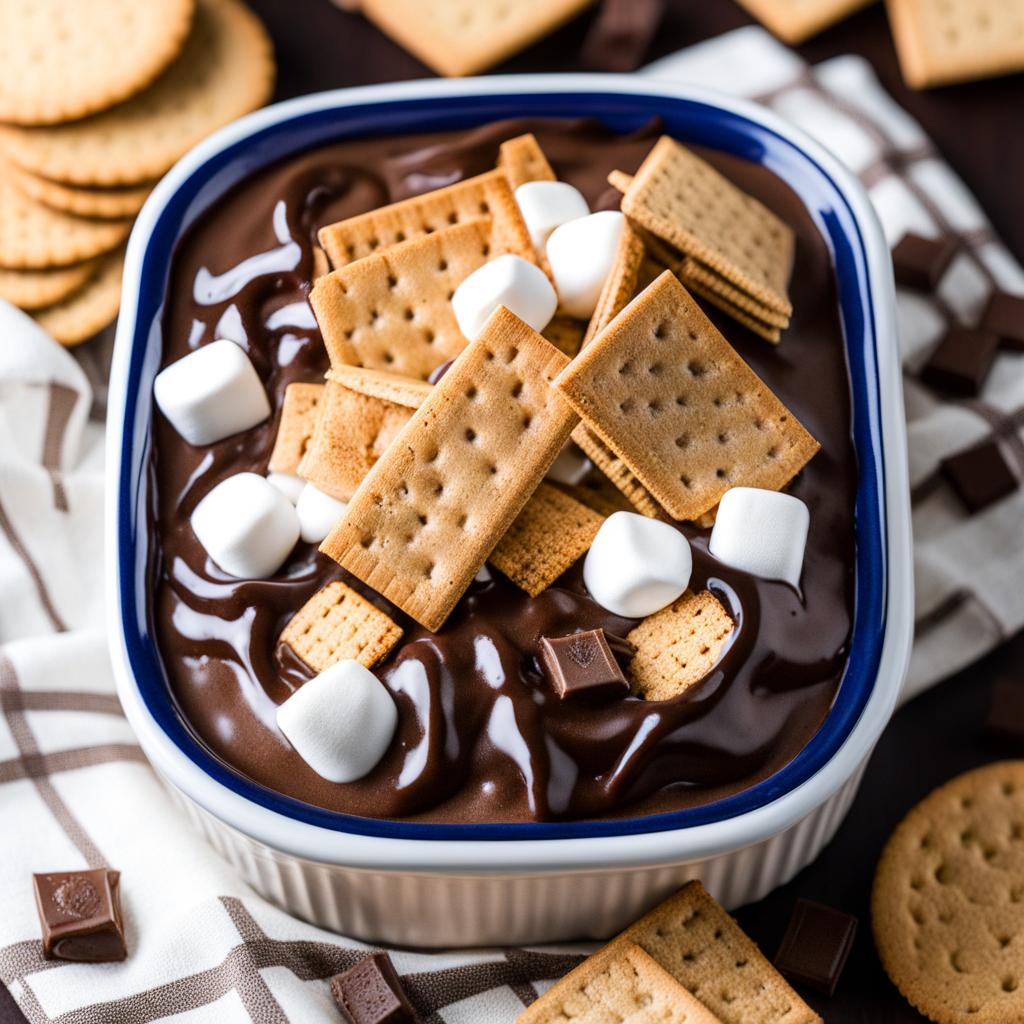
[(689, 120)]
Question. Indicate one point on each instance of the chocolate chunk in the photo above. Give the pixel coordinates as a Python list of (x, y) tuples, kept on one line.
[(816, 945), (920, 262), (962, 361), (370, 993), (1005, 720), (80, 913), (583, 665), (621, 34), (1004, 316), (980, 475)]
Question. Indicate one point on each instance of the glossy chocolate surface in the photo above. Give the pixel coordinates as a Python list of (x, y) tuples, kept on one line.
[(482, 736)]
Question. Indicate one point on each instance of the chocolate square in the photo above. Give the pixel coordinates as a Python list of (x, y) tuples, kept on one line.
[(816, 945), (370, 993), (1004, 316), (980, 475), (920, 262), (582, 665), (80, 913), (961, 362), (1005, 720)]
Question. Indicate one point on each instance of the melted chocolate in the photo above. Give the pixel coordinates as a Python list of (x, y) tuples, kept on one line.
[(482, 737)]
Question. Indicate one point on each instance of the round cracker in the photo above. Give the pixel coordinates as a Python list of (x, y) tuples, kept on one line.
[(947, 907), (60, 59), (34, 289), (87, 311), (225, 69), (105, 203)]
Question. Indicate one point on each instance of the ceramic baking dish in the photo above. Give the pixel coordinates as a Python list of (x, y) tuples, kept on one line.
[(472, 884)]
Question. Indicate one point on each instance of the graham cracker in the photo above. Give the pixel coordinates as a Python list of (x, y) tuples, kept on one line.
[(706, 951), (598, 493), (545, 539), (352, 432), (486, 195), (226, 69), (620, 984), (617, 472), (523, 160), (87, 311), (34, 289), (941, 41), (692, 273), (299, 412), (947, 905), (684, 201), (392, 387), (620, 284), (337, 624), (59, 62), (105, 203), (433, 508), (566, 334), (669, 395), (392, 310), (620, 181), (752, 323), (793, 21), (675, 648), (464, 37)]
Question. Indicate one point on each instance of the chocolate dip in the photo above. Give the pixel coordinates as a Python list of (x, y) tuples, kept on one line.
[(482, 735)]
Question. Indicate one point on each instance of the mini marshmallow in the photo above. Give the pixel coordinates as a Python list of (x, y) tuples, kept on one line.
[(288, 484), (247, 526), (636, 565), (570, 466), (340, 722), (761, 532), (581, 255), (318, 512), (547, 204), (510, 281), (211, 393)]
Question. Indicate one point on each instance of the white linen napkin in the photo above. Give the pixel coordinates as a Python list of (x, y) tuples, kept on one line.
[(74, 786)]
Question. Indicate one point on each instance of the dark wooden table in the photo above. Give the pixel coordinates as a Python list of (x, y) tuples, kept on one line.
[(979, 127)]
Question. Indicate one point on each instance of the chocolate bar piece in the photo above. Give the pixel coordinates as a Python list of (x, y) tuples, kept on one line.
[(816, 945), (920, 262), (1004, 316), (980, 475), (370, 993), (583, 665), (80, 913), (1005, 719), (962, 361)]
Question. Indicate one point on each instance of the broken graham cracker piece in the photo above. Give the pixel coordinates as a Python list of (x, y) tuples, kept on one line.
[(616, 471), (678, 646), (436, 504), (670, 396), (693, 274), (620, 284), (337, 623), (392, 387), (545, 539), (523, 160), (486, 195), (352, 432), (684, 201), (295, 429), (392, 310), (618, 983)]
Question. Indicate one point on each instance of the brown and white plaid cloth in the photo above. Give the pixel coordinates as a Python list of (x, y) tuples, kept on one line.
[(75, 790)]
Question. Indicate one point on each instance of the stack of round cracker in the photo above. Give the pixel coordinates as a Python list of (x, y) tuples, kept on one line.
[(97, 102)]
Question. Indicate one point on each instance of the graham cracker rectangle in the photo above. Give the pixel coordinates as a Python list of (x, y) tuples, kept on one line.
[(566, 334), (336, 624), (706, 951), (486, 195), (617, 472), (684, 201), (523, 160), (545, 539), (675, 648), (392, 310), (392, 387), (295, 429), (793, 21), (619, 983), (620, 284), (764, 330), (692, 273), (352, 432), (433, 508), (669, 396)]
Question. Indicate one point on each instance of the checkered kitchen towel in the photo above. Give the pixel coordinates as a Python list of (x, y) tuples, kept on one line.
[(74, 788)]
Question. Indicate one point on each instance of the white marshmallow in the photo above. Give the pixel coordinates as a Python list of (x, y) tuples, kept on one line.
[(340, 722), (761, 532), (318, 512), (636, 565), (570, 466), (211, 393), (581, 255), (247, 526), (547, 204), (288, 484), (508, 281)]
